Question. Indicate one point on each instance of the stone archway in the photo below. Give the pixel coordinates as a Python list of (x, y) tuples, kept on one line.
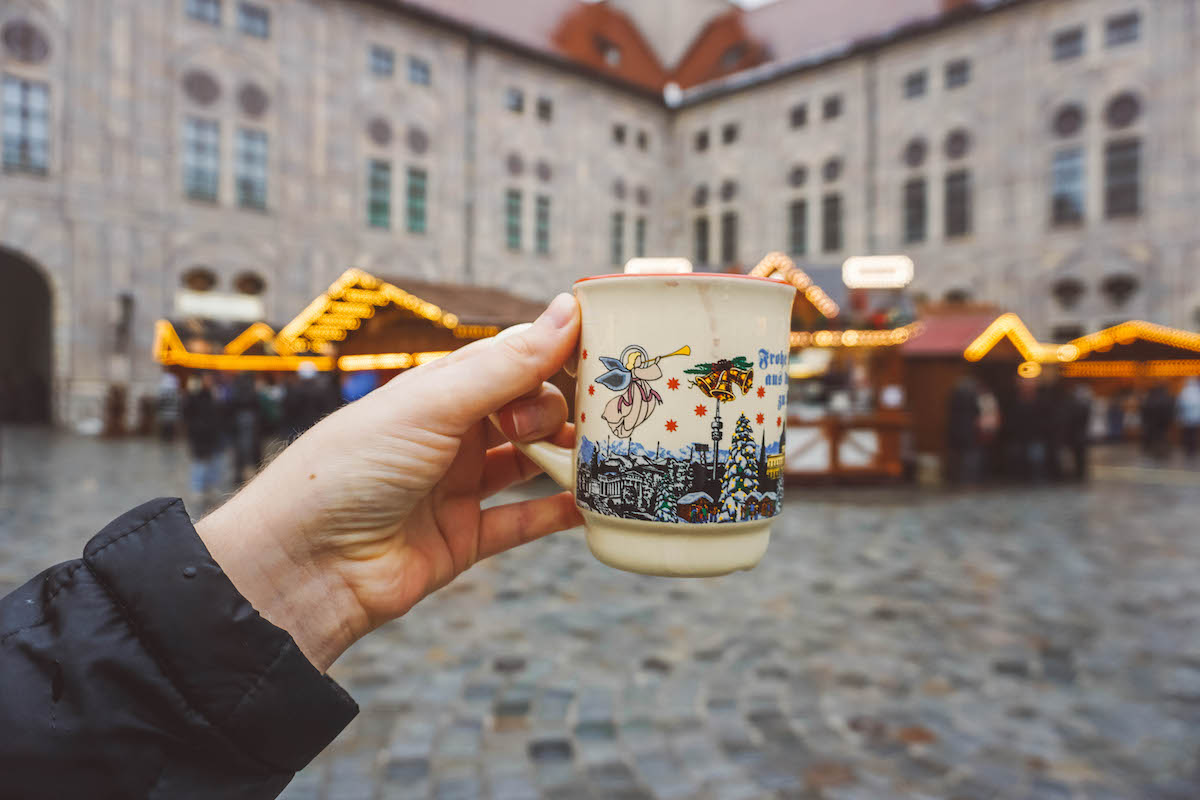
[(26, 360)]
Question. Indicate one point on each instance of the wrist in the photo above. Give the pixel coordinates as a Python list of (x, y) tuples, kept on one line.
[(264, 551)]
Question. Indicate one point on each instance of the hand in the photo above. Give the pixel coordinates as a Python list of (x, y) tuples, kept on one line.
[(378, 505)]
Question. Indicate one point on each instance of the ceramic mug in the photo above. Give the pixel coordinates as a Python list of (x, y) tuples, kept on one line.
[(680, 414)]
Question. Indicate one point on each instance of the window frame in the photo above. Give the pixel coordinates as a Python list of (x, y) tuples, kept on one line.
[(251, 15), (958, 218), (416, 200), (379, 193), (201, 159), (197, 11), (513, 201), (616, 238), (798, 227), (833, 225), (22, 148), (798, 115), (915, 209), (377, 56), (639, 237), (514, 99), (1115, 25), (619, 134), (1112, 208), (700, 141), (730, 132), (251, 163), (420, 71), (831, 107), (541, 224), (957, 73), (1062, 188), (916, 84), (729, 237), (1063, 40), (700, 240), (544, 108)]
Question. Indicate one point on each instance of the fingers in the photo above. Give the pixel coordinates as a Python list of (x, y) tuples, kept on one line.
[(482, 377), (504, 527), (505, 465), (534, 416)]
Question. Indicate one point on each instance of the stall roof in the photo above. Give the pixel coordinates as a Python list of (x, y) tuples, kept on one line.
[(474, 305), (948, 333)]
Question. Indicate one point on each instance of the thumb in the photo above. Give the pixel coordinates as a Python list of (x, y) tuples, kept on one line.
[(482, 377)]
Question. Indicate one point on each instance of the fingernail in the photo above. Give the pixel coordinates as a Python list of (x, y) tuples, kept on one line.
[(527, 420), (560, 312)]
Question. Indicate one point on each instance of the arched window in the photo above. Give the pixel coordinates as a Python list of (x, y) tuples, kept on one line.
[(1123, 110), (1068, 120), (958, 142), (201, 87), (915, 151), (1068, 291), (798, 176), (24, 41), (1119, 288), (832, 169)]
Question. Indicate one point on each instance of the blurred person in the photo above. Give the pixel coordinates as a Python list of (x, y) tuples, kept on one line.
[(1158, 410), (1016, 433), (962, 431), (188, 661), (204, 421), (307, 400), (1077, 429), (1115, 416), (1051, 409), (247, 426), (168, 406), (1188, 404)]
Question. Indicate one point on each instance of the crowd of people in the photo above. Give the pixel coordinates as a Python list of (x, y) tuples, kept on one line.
[(231, 421), (1043, 429)]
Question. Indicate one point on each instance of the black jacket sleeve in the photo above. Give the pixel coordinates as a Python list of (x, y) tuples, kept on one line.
[(140, 672)]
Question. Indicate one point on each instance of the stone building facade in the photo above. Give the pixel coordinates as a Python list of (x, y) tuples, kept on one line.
[(154, 148)]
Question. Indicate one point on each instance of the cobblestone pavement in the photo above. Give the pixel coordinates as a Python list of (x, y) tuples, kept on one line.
[(1009, 643)]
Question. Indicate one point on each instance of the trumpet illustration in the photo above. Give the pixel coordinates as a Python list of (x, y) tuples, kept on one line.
[(631, 375)]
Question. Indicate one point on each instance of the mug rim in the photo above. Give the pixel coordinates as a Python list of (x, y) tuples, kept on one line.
[(685, 275)]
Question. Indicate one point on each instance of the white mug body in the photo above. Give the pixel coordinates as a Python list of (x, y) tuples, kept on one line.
[(680, 414)]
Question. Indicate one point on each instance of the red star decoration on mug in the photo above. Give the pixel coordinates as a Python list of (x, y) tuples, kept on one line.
[(591, 389), (672, 425), (778, 422), (583, 416), (762, 390), (701, 411), (759, 419), (672, 383), (585, 355)]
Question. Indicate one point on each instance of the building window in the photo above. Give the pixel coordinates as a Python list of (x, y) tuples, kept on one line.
[(382, 61), (831, 223), (643, 140), (1068, 291), (1068, 120), (514, 100), (617, 239), (26, 125), (700, 239), (957, 143), (798, 116), (419, 71), (831, 170), (199, 279), (545, 109), (639, 237), (1122, 167), (201, 158), (1123, 110), (914, 210), (205, 11), (701, 141), (541, 224), (958, 203), (958, 73), (729, 237), (251, 164), (608, 51), (832, 107), (729, 133), (915, 152), (618, 134), (415, 195), (797, 176), (512, 219), (1066, 187), (798, 227), (379, 193), (1067, 44), (1122, 29), (914, 83), (254, 20)]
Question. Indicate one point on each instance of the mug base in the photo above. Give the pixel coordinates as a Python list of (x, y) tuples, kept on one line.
[(676, 549)]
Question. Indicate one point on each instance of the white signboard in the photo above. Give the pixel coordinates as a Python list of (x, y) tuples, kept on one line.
[(877, 272), (218, 306)]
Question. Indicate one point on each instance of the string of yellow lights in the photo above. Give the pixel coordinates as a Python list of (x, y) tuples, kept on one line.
[(1010, 325), (856, 338), (778, 265)]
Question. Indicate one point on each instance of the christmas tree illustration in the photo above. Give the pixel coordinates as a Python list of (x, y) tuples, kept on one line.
[(666, 508), (741, 473)]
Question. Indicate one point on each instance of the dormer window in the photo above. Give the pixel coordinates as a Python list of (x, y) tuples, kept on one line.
[(608, 51), (733, 56)]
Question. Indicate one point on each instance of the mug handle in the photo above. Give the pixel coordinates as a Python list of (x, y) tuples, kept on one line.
[(557, 462)]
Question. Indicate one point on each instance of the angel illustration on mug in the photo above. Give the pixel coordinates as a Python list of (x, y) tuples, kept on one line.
[(630, 376)]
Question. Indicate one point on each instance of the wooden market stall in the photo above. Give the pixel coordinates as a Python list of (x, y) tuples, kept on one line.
[(847, 416)]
